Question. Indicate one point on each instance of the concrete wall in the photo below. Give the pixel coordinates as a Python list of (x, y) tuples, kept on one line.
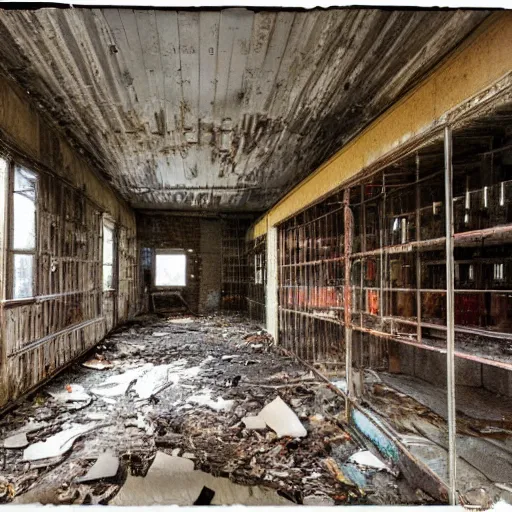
[(70, 312)]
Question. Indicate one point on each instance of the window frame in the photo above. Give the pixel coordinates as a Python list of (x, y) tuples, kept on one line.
[(110, 225), (172, 251), (12, 166)]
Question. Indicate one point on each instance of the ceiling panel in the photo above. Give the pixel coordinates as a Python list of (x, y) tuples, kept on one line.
[(219, 109)]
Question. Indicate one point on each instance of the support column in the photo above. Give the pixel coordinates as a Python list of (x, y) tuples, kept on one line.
[(450, 318), (4, 187), (272, 305), (347, 306), (418, 257)]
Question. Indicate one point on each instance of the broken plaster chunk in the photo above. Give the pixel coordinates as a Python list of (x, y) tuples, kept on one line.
[(367, 459), (318, 501), (254, 423), (188, 455), (98, 364), (229, 357), (16, 442), (57, 444), (185, 320), (106, 466), (217, 405), (280, 418), (77, 394), (117, 385)]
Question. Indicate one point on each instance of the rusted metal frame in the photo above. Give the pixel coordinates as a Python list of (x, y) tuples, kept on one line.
[(348, 230), (381, 247), (298, 306), (282, 248), (362, 231), (384, 248), (418, 255), (450, 317), (415, 471), (301, 289)]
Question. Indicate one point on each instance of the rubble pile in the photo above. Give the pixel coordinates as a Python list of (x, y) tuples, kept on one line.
[(213, 391)]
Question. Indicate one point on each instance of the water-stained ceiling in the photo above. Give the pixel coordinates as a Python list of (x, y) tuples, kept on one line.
[(219, 109)]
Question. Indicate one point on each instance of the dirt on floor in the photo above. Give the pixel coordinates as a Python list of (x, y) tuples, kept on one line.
[(182, 387)]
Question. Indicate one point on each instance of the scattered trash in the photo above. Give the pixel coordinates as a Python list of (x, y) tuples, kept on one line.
[(233, 383), (57, 444), (16, 442), (336, 472), (205, 399), (6, 489), (504, 487), (367, 459), (106, 466), (117, 385), (205, 497), (229, 357), (476, 498), (98, 362), (198, 394), (185, 320), (318, 501), (280, 418), (74, 393), (254, 423), (173, 481)]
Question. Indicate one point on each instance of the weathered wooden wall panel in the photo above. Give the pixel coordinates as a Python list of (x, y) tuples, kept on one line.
[(69, 312)]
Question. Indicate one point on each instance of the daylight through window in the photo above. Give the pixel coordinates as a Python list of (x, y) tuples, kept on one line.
[(170, 269), (108, 257), (23, 242)]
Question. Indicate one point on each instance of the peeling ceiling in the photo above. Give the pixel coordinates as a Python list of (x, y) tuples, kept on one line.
[(219, 109)]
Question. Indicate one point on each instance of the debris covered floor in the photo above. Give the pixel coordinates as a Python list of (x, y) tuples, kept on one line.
[(172, 397)]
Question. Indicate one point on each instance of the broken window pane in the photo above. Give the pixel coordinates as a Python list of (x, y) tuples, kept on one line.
[(107, 277), (24, 210), (108, 257), (108, 245), (170, 270), (23, 275)]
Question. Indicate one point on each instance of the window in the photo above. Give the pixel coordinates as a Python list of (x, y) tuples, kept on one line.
[(170, 268), (23, 232), (258, 268), (108, 256), (498, 271)]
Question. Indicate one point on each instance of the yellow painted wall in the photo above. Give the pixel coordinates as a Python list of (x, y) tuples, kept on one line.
[(484, 58)]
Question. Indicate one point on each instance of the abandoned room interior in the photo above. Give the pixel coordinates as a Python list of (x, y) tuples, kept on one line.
[(255, 256)]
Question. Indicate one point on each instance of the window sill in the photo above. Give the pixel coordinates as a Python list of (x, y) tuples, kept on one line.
[(10, 303)]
